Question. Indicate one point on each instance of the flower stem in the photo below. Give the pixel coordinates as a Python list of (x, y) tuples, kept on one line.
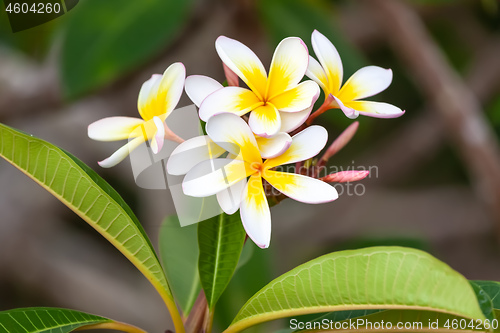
[(327, 105)]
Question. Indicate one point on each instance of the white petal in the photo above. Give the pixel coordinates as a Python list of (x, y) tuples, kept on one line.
[(230, 198), (121, 153), (330, 60), (255, 212), (376, 109), (191, 152), (159, 137), (349, 112), (233, 134), (274, 146), (113, 128), (265, 120), (305, 145), (288, 66), (292, 120), (366, 82), (212, 176), (301, 188), (298, 98), (235, 100), (241, 60), (317, 73), (198, 87), (160, 94)]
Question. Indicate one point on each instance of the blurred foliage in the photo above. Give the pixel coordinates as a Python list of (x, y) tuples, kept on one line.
[(106, 39)]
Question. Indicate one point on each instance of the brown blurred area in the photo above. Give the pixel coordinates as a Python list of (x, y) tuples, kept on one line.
[(437, 179)]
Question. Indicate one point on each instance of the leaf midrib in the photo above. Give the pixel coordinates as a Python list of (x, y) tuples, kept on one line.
[(217, 253)]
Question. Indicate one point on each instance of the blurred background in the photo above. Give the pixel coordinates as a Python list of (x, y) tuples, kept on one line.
[(435, 182)]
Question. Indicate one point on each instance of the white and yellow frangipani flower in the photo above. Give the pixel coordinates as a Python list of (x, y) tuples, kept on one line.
[(366, 82), (212, 176), (268, 99), (157, 99)]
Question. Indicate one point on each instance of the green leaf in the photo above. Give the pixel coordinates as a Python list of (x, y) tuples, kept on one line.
[(50, 320), (91, 198), (220, 240), (370, 278), (107, 39), (492, 289), (179, 255), (484, 300)]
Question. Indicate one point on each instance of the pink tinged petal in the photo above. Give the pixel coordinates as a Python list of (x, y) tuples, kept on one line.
[(233, 134), (288, 66), (349, 112), (346, 176), (340, 142), (213, 176), (330, 60), (159, 137), (305, 145), (265, 120), (301, 188), (298, 98), (274, 146), (229, 100), (198, 87), (317, 73), (292, 120), (231, 77), (230, 199), (191, 152), (113, 128), (376, 109), (255, 212), (241, 60), (121, 153), (366, 82)]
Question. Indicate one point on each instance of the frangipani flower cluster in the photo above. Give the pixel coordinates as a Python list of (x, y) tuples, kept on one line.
[(252, 131)]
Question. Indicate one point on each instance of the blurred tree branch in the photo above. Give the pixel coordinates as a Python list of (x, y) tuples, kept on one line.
[(458, 108)]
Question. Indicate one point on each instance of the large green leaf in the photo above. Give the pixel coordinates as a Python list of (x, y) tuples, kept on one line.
[(179, 255), (106, 39), (89, 196), (52, 320), (370, 278), (220, 240), (492, 290)]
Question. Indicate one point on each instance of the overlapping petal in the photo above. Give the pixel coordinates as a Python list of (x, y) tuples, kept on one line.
[(265, 120), (198, 87), (274, 146), (230, 199), (366, 82), (159, 137), (292, 120), (330, 60), (255, 212), (235, 100), (241, 60), (233, 134), (288, 66), (212, 176), (297, 98), (301, 188), (317, 73), (305, 145), (113, 128), (191, 152)]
